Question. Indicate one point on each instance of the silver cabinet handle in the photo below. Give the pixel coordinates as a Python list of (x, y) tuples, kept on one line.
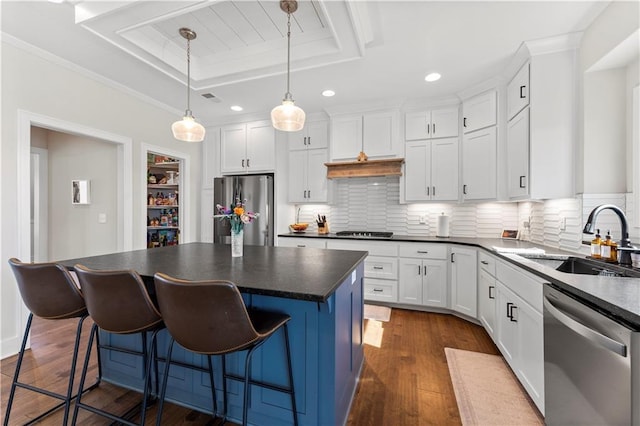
[(248, 162), (243, 163), (584, 331), (434, 191), (464, 189), (378, 290), (522, 95), (301, 245), (422, 251), (522, 184), (305, 141), (491, 296), (484, 262), (309, 140), (378, 267), (419, 270)]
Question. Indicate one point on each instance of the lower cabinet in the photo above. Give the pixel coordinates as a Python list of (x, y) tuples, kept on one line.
[(464, 280), (487, 293), (423, 282), (519, 328)]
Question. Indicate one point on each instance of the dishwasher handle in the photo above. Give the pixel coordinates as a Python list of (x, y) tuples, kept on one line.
[(586, 332)]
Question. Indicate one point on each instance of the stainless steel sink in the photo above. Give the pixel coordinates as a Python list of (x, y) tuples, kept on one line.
[(579, 265)]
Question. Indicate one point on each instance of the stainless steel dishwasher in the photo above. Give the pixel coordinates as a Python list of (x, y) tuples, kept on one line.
[(591, 365)]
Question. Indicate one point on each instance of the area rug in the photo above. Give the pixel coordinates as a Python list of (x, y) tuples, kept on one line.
[(378, 313), (487, 391)]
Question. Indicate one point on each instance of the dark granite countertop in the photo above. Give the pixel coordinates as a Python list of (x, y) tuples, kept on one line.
[(312, 274), (619, 297)]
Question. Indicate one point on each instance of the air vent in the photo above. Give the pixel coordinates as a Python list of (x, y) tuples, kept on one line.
[(211, 96)]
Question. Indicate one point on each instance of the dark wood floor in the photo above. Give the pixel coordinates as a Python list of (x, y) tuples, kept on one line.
[(404, 381)]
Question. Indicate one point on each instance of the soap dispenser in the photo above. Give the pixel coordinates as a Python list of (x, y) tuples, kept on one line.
[(595, 245), (605, 251)]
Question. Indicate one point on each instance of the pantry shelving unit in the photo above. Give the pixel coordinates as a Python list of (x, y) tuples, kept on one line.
[(163, 202)]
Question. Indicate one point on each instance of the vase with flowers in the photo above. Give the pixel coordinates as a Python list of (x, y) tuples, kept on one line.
[(238, 216)]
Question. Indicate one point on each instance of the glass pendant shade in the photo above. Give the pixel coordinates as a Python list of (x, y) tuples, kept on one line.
[(188, 129), (288, 117)]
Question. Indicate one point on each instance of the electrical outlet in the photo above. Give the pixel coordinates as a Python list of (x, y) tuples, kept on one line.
[(563, 223), (526, 224), (423, 219)]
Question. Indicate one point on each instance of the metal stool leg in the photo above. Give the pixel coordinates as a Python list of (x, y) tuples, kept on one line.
[(18, 366), (83, 375), (290, 371), (165, 379)]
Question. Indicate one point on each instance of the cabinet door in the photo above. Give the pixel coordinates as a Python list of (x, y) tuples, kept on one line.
[(479, 112), (317, 175), (346, 137), (380, 134), (233, 141), (417, 171), (410, 285), (518, 155), (479, 165), (487, 301), (507, 327), (317, 134), (417, 125), (434, 283), (464, 281), (297, 176), (518, 92), (530, 366), (444, 123), (444, 169), (261, 147)]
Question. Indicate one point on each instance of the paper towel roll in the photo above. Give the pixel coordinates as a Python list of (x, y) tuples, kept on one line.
[(443, 226)]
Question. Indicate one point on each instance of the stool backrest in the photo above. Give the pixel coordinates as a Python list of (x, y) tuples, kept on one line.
[(207, 317), (117, 300), (48, 290)]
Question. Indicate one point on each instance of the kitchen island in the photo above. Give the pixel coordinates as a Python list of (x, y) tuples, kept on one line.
[(320, 289)]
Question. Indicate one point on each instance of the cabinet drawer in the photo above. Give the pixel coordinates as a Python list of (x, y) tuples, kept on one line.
[(487, 263), (381, 267), (302, 242), (381, 290), (424, 251), (527, 286), (375, 248)]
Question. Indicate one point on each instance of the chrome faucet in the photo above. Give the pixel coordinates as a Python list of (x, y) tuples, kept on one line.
[(624, 256)]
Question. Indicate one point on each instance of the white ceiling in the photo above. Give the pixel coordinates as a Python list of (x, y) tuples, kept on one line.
[(367, 51)]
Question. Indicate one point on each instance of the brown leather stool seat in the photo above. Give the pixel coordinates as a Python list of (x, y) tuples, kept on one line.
[(49, 292), (118, 302), (210, 318)]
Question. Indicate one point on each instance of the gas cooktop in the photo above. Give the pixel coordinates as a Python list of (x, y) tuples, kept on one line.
[(365, 234)]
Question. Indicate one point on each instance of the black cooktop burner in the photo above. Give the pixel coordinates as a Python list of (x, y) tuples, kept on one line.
[(364, 234)]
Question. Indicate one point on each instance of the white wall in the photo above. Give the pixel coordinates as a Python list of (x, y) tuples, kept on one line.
[(60, 91)]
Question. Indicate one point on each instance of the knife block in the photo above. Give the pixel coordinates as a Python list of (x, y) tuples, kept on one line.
[(323, 229)]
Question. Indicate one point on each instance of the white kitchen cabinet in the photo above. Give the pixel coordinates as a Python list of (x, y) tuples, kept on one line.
[(520, 339), (479, 112), (423, 275), (302, 242), (479, 165), (464, 280), (541, 137), (247, 148), (519, 327), (431, 170), (518, 92), (487, 293), (315, 134), (308, 176), (518, 155), (437, 123), (380, 267), (374, 133)]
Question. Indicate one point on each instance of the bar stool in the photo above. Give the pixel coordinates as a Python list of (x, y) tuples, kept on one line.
[(49, 292), (118, 302), (210, 318)]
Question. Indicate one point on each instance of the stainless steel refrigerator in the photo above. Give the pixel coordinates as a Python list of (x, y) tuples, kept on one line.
[(257, 193)]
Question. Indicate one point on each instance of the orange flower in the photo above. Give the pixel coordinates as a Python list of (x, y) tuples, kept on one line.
[(238, 210)]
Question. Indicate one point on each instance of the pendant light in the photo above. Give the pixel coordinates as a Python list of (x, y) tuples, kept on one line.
[(288, 117), (188, 129)]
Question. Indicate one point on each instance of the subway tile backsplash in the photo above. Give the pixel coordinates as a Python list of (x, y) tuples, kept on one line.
[(372, 204)]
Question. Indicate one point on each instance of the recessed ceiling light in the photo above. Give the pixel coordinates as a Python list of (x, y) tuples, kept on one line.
[(236, 108), (328, 93), (434, 76)]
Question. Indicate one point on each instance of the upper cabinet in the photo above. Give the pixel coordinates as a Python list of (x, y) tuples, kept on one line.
[(479, 112), (308, 153), (437, 123), (480, 147), (247, 148), (431, 170), (374, 133), (518, 92), (315, 134), (541, 127)]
